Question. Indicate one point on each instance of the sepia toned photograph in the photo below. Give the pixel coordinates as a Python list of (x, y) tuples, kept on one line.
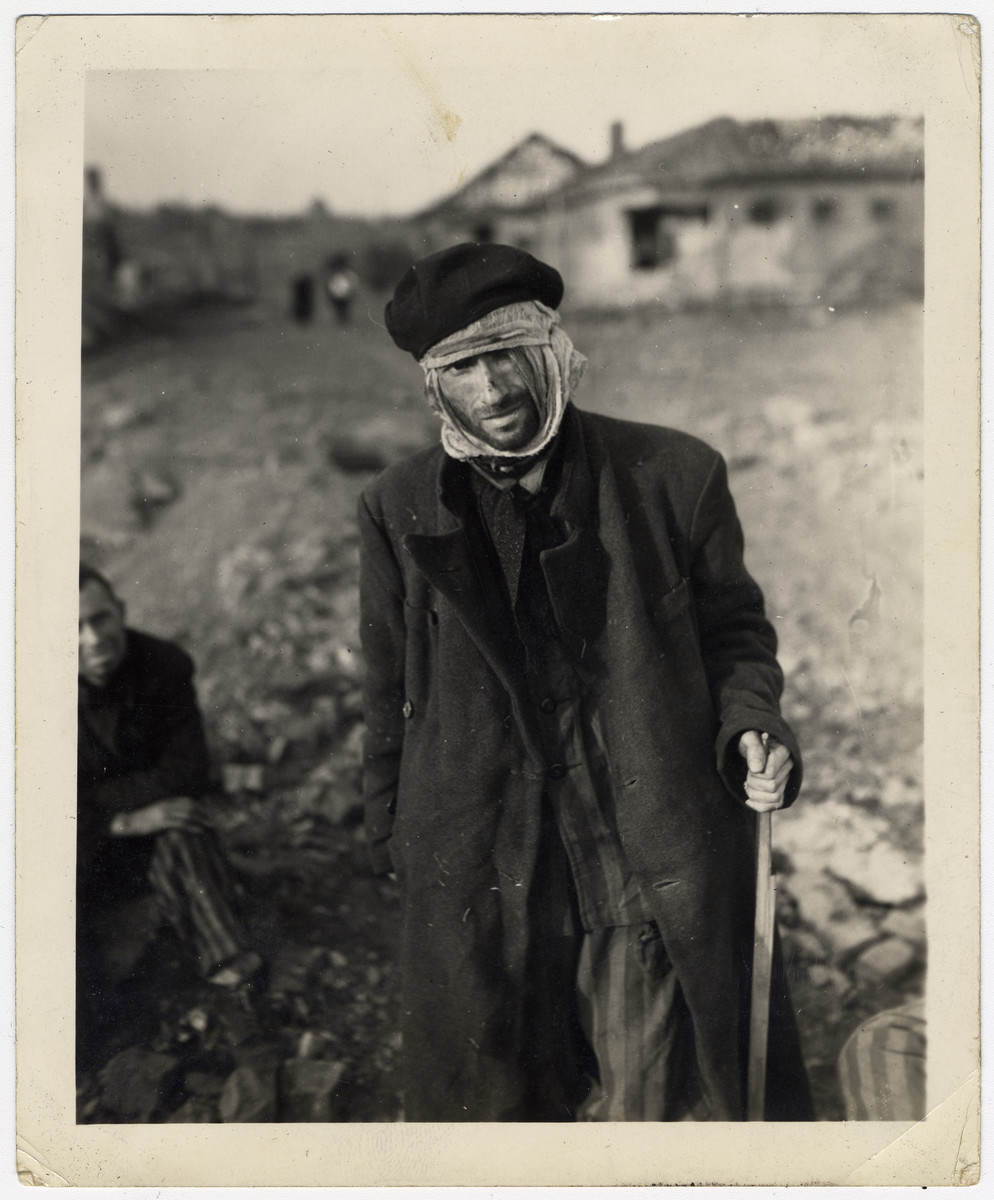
[(505, 689)]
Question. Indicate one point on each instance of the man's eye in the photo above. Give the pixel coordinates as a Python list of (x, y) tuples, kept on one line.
[(464, 364)]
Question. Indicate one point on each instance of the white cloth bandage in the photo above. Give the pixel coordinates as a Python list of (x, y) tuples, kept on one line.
[(548, 361)]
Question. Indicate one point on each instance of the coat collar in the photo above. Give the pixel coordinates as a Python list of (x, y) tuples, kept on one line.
[(575, 493), (454, 561)]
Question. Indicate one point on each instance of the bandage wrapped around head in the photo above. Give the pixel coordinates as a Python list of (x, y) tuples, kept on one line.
[(544, 356), (474, 299)]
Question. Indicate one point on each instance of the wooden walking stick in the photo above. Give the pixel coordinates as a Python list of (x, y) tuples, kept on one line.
[(762, 967)]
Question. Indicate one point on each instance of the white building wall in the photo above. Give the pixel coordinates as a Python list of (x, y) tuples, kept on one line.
[(732, 258)]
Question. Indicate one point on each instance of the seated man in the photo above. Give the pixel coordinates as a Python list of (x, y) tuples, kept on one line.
[(142, 769)]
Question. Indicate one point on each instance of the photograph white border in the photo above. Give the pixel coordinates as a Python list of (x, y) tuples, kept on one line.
[(53, 55)]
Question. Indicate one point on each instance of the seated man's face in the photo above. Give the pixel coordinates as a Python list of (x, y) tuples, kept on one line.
[(491, 399), (102, 640)]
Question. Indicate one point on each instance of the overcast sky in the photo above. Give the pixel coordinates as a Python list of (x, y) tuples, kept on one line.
[(387, 114)]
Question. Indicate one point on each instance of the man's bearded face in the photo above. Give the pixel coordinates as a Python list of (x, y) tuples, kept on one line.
[(489, 396)]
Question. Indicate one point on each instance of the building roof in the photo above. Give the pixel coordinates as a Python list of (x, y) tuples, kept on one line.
[(530, 170), (728, 151)]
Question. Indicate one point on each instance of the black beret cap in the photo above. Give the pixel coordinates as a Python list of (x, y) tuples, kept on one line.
[(455, 287)]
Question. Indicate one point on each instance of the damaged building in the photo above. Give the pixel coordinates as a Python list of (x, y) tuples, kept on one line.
[(781, 212)]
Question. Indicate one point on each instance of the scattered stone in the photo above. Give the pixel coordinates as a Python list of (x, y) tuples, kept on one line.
[(351, 748), (202, 1084), (787, 909), (241, 573), (821, 899), (348, 661), (350, 706), (897, 791), (123, 415), (311, 1044), (193, 1111), (883, 874), (886, 961), (261, 1055), (848, 935), (104, 494), (248, 1095), (342, 805), (293, 966), (372, 445), (909, 925), (787, 412), (308, 1087), (135, 1082), (151, 490), (804, 943), (198, 1019), (277, 748), (821, 976), (236, 1016), (834, 836), (338, 959), (243, 777)]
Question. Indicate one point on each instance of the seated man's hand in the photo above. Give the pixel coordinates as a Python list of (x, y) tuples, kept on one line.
[(179, 812), (769, 764)]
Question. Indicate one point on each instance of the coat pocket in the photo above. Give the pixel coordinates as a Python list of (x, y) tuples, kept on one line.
[(421, 634)]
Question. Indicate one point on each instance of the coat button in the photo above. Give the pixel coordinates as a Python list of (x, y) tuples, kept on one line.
[(408, 710), (556, 771), (547, 705)]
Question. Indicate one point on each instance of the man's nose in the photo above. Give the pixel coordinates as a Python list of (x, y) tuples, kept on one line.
[(492, 378), (88, 636)]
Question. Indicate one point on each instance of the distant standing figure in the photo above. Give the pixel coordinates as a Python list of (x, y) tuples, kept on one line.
[(340, 284), (142, 772), (302, 299)]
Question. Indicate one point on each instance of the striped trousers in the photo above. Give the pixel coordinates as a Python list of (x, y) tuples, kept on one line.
[(194, 888), (882, 1067), (609, 1036), (636, 1020)]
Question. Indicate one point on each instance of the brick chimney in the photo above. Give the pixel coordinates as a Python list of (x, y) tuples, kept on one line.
[(617, 139)]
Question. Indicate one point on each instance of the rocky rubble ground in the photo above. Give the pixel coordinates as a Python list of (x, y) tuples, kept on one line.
[(317, 1039), (220, 493)]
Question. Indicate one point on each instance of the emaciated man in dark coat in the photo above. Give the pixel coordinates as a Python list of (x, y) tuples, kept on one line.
[(143, 823), (572, 712)]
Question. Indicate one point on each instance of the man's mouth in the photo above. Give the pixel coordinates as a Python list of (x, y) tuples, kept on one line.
[(506, 408)]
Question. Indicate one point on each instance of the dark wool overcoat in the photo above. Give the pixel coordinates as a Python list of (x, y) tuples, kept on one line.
[(651, 595)]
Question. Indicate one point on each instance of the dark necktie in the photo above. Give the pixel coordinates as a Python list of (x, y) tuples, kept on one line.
[(505, 512)]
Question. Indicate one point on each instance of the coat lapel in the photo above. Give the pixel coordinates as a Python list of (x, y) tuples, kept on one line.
[(577, 570), (462, 573)]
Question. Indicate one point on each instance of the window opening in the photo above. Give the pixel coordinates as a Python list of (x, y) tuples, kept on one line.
[(765, 211), (654, 232), (824, 209)]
